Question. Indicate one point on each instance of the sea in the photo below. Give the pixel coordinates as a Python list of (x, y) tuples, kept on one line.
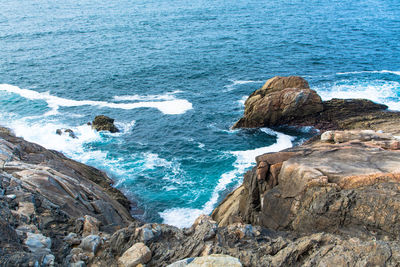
[(174, 75)]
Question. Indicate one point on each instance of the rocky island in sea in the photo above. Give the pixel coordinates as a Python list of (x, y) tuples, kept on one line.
[(331, 201)]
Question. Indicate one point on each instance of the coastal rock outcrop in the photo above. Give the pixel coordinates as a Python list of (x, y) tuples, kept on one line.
[(104, 123), (280, 100), (348, 182), (343, 184), (277, 103), (48, 202)]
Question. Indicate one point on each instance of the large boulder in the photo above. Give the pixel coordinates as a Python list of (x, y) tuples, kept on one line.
[(280, 100), (104, 123)]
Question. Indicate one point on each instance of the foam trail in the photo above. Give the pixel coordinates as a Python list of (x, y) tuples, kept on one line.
[(170, 107), (372, 71), (167, 96), (184, 217)]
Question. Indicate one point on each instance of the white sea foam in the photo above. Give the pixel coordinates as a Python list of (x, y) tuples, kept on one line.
[(372, 71), (125, 127), (152, 161), (44, 133), (242, 100), (184, 217), (167, 96), (170, 107), (379, 91)]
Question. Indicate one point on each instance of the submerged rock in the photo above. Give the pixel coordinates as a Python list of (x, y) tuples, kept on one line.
[(67, 131), (104, 123)]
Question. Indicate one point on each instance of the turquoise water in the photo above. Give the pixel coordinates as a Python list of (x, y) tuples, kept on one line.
[(174, 75)]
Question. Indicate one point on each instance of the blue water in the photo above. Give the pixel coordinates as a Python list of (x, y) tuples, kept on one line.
[(174, 75)]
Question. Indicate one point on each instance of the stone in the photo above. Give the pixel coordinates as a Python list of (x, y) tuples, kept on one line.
[(77, 264), (139, 253), (48, 260), (214, 260), (37, 243), (91, 243), (67, 131), (104, 123), (90, 225), (72, 239)]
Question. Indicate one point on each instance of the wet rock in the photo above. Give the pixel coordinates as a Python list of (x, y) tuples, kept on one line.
[(138, 253), (66, 131), (104, 123)]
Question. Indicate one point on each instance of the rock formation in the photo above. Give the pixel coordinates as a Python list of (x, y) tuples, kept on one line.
[(280, 100), (104, 123), (47, 200), (344, 182)]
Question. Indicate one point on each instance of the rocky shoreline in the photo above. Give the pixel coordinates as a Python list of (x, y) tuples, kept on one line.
[(332, 201)]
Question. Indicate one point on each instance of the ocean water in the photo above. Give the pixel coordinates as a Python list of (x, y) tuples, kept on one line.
[(174, 75)]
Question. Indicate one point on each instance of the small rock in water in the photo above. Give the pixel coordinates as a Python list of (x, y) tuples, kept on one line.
[(69, 131), (104, 123)]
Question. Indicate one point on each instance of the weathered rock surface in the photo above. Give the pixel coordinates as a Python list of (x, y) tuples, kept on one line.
[(214, 260), (249, 246), (347, 183), (280, 100), (104, 123), (274, 104), (139, 253), (45, 197)]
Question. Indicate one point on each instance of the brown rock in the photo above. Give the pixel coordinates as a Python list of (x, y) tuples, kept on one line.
[(347, 185), (90, 225), (280, 100), (104, 123), (135, 255)]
